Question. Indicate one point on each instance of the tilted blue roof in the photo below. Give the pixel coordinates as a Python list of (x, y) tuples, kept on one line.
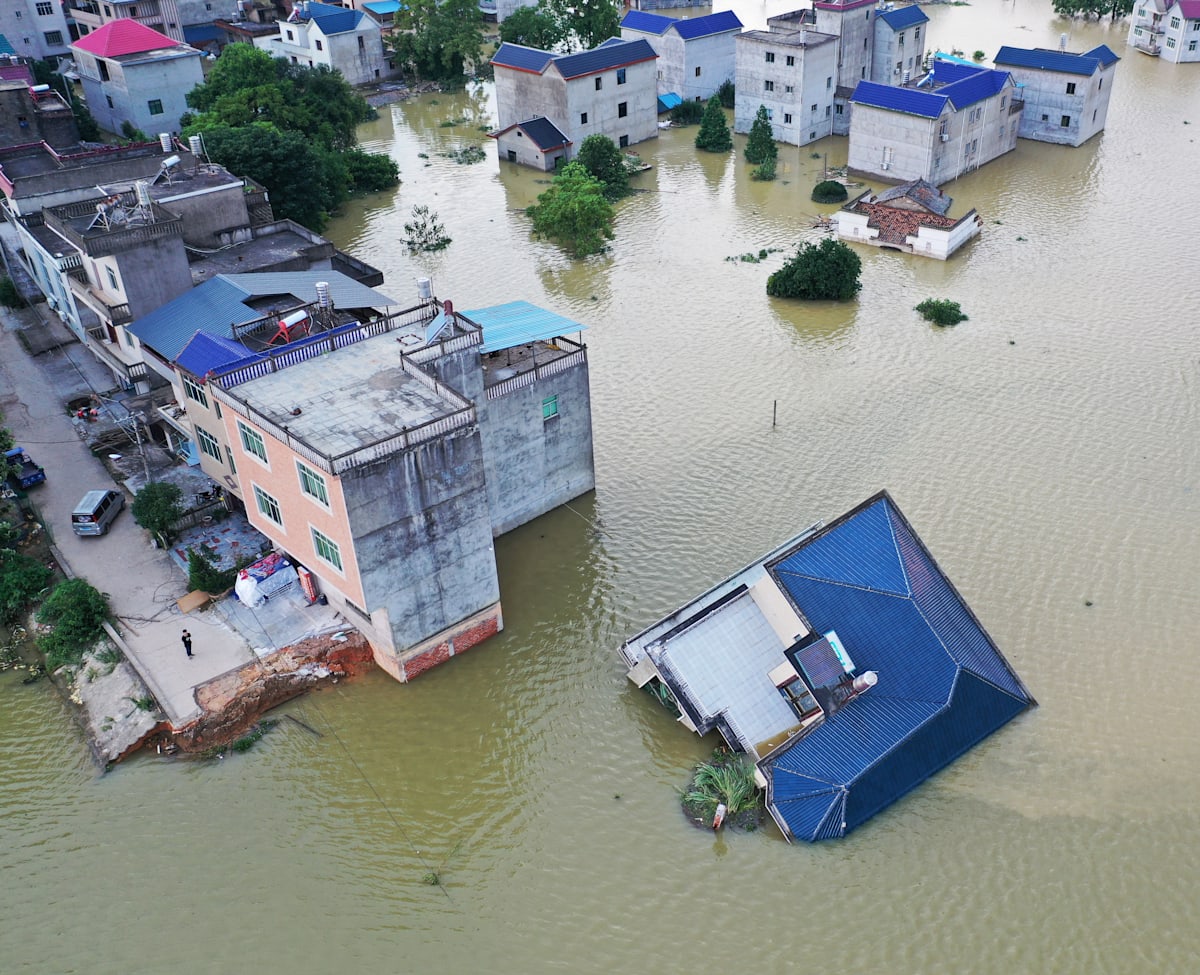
[(1047, 60), (518, 323), (975, 87), (331, 19), (522, 58), (908, 100), (706, 26), (1106, 55), (607, 55), (647, 23), (205, 353), (903, 17), (385, 7), (943, 686), (946, 71)]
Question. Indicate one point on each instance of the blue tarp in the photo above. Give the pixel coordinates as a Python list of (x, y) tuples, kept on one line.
[(668, 101)]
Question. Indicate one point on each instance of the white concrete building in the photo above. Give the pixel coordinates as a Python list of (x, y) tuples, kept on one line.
[(1066, 95), (133, 74), (610, 90), (159, 15), (911, 218), (695, 56), (899, 49), (792, 73), (1166, 28), (33, 29), (348, 41), (953, 121)]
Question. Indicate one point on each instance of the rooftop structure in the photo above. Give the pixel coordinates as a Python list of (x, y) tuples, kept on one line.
[(910, 217), (844, 664)]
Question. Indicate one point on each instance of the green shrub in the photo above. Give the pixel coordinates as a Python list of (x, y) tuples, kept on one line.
[(370, 172), (688, 113), (77, 611), (21, 580), (728, 780), (726, 94), (829, 191), (205, 575), (157, 507), (941, 311), (765, 172), (827, 271)]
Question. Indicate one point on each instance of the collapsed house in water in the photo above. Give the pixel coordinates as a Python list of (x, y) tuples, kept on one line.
[(844, 664)]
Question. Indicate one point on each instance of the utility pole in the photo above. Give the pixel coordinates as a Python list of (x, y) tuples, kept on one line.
[(137, 433)]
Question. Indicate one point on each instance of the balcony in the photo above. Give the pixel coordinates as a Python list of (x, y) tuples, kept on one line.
[(113, 356), (110, 309)]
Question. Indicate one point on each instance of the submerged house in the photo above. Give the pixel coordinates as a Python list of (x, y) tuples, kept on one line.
[(1169, 29), (1066, 95), (911, 217), (844, 664), (695, 55)]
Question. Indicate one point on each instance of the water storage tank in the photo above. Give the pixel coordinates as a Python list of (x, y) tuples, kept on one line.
[(865, 681), (39, 89), (424, 289), (164, 140), (196, 145), (323, 294)]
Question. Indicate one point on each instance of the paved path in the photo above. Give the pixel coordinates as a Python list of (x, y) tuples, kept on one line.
[(141, 582)]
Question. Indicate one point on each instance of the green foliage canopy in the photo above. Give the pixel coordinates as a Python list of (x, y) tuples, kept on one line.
[(534, 27), (827, 271), (829, 191), (77, 611), (21, 579), (601, 157), (589, 22), (436, 41), (714, 129), (1093, 8), (573, 212), (941, 311), (760, 146), (157, 507)]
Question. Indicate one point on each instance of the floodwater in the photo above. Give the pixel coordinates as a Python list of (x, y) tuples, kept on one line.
[(1046, 450)]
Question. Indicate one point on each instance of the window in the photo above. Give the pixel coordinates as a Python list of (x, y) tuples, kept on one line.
[(550, 407), (770, 115), (787, 119), (837, 109), (620, 76), (788, 89), (623, 142), (53, 37), (917, 34), (108, 98), (900, 38), (1192, 44), (1170, 42), (194, 391), (1045, 118), (217, 407), (1070, 88), (827, 111), (229, 457), (113, 283), (790, 60), (312, 483), (362, 44), (103, 74), (1066, 122), (1100, 85), (599, 83), (268, 507), (326, 549), (770, 57), (290, 35), (45, 9), (208, 444), (697, 71), (829, 82), (583, 118), (768, 86), (320, 46), (1003, 99), (1174, 22), (899, 65), (622, 109), (155, 106), (814, 109), (252, 442)]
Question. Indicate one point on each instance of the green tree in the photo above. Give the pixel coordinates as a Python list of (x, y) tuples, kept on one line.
[(760, 146), (601, 157), (77, 612), (157, 507), (827, 271), (425, 231), (436, 41), (714, 129), (589, 22), (941, 311), (726, 93), (1093, 8), (21, 579), (573, 212), (533, 27), (829, 191)]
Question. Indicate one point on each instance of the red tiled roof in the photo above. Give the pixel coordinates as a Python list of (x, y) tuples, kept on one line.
[(896, 224), (124, 36)]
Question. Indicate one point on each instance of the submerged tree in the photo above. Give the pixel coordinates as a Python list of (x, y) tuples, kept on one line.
[(941, 311), (1093, 8), (605, 161), (589, 22), (574, 212), (827, 271), (437, 41), (714, 129), (425, 232), (760, 146), (534, 27)]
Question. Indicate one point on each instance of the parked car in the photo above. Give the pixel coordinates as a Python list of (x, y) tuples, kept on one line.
[(28, 472), (96, 511)]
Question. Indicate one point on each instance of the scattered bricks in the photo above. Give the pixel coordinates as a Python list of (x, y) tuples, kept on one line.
[(426, 661)]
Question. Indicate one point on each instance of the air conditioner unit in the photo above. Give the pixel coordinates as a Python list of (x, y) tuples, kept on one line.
[(885, 165), (945, 137), (895, 71)]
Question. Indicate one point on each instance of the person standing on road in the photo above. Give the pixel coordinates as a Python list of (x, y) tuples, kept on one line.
[(187, 642)]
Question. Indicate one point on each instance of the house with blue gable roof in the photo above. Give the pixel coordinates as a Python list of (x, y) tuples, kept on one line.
[(899, 48), (951, 121), (695, 55), (844, 664), (347, 41), (1066, 95), (610, 90)]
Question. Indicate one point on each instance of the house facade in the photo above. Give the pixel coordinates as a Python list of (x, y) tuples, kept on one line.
[(793, 74), (611, 90), (347, 41), (1169, 29), (695, 56), (33, 29), (912, 218), (536, 142), (29, 115), (162, 16), (133, 74), (898, 55), (955, 120), (1066, 95)]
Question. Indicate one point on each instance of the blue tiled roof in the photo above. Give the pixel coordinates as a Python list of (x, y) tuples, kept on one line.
[(1104, 53), (911, 102), (942, 684), (522, 58), (1046, 60), (903, 17), (544, 133), (604, 57), (333, 20), (718, 23), (975, 88), (206, 353), (518, 323), (946, 71), (647, 23)]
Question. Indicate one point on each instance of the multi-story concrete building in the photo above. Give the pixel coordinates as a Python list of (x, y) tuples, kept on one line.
[(162, 16), (954, 120), (33, 29), (33, 113), (347, 41), (898, 54), (792, 73), (133, 74), (1066, 95), (384, 453), (695, 56), (611, 90), (1168, 29)]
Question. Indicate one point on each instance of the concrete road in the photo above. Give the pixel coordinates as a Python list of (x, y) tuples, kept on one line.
[(141, 582)]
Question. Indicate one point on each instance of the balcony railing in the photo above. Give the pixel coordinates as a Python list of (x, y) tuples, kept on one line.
[(100, 346), (115, 311)]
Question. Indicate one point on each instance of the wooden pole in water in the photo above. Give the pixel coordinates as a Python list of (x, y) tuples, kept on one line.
[(774, 411)]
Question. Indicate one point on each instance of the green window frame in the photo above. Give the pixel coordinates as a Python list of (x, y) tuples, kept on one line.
[(194, 391), (550, 407), (208, 444), (268, 507), (229, 456), (326, 548), (312, 483), (155, 106), (252, 442)]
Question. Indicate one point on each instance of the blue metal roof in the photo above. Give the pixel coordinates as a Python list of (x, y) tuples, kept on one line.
[(943, 685), (206, 353), (718, 23), (903, 17), (5, 46), (332, 20), (201, 33), (603, 58), (668, 101), (522, 58), (647, 23), (1106, 55), (385, 6), (975, 87), (924, 103), (518, 323), (544, 133), (1046, 60)]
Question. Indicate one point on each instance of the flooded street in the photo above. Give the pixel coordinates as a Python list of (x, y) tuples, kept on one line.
[(1046, 450)]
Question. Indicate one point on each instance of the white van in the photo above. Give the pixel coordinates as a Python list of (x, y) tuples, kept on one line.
[(96, 511)]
